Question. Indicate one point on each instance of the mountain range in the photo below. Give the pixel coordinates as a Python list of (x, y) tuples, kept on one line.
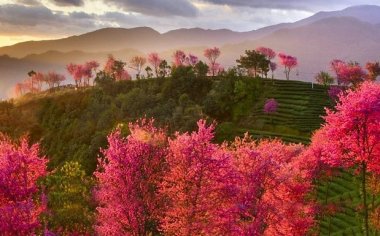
[(349, 34)]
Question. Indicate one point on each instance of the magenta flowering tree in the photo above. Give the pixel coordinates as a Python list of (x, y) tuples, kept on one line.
[(116, 69), (212, 55), (289, 62), (198, 186), (82, 74), (88, 69), (334, 92), (76, 71), (179, 58), (21, 167), (128, 180), (353, 134), (270, 106), (155, 60), (192, 60), (348, 73), (273, 183), (272, 67), (267, 52)]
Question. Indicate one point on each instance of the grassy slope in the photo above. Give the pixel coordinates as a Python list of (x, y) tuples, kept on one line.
[(300, 108)]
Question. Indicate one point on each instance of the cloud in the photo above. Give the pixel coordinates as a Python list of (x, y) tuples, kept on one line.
[(28, 2), (21, 15), (162, 8), (309, 5), (17, 20), (64, 3)]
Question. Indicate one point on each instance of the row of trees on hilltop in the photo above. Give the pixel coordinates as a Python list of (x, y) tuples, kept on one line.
[(254, 63), (148, 182), (37, 80), (260, 61), (348, 73)]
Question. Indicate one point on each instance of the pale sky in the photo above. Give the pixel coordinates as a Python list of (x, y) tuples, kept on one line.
[(22, 20)]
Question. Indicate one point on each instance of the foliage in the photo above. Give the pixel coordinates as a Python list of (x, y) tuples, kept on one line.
[(289, 62), (351, 135), (324, 78), (273, 185), (348, 73), (155, 60), (196, 185), (21, 202), (373, 69), (137, 63), (70, 209), (254, 62), (212, 55), (128, 180), (270, 105)]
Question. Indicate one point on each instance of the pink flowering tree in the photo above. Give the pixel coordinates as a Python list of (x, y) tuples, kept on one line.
[(267, 52), (88, 69), (270, 107), (198, 186), (179, 58), (55, 78), (274, 181), (192, 60), (128, 179), (212, 55), (155, 60), (76, 71), (349, 73), (116, 69), (353, 135), (334, 92), (21, 205), (272, 68), (289, 62)]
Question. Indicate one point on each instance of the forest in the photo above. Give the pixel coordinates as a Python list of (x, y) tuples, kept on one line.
[(191, 148)]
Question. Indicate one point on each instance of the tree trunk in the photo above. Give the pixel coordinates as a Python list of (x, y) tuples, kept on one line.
[(364, 193)]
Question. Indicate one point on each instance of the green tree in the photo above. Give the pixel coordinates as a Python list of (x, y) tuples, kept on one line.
[(69, 200), (254, 62), (201, 69), (324, 78)]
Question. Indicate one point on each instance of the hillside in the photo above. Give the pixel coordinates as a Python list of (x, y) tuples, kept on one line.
[(81, 119), (72, 125)]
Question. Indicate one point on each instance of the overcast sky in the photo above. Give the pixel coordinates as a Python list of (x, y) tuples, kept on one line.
[(22, 20)]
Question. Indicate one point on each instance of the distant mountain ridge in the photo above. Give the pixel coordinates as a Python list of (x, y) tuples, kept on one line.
[(349, 34)]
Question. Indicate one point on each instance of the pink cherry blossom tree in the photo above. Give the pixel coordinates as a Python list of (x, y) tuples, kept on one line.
[(179, 58), (289, 62), (348, 73), (116, 69), (273, 184), (21, 167), (128, 179), (212, 55), (198, 186), (267, 52), (155, 60), (353, 134)]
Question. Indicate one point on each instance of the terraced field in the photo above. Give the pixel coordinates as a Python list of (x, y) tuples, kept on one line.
[(300, 105), (299, 114)]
